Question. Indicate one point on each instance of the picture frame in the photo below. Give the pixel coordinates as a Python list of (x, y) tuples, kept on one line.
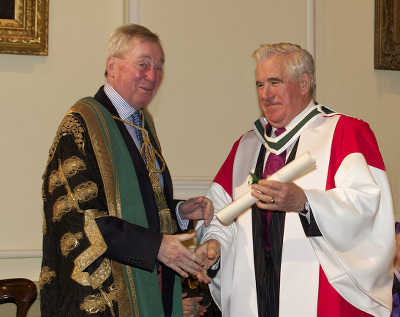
[(26, 31), (387, 35)]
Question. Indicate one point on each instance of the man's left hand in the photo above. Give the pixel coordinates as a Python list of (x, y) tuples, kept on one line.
[(274, 195), (197, 208)]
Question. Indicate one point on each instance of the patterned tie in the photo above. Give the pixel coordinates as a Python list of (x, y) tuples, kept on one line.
[(273, 164), (137, 120)]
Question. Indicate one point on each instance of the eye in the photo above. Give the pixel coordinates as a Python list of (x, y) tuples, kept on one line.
[(276, 81), (259, 85)]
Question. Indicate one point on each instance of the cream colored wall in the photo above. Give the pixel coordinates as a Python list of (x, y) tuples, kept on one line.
[(347, 81), (207, 99)]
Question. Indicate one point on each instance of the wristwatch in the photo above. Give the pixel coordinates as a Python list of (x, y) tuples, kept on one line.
[(307, 207)]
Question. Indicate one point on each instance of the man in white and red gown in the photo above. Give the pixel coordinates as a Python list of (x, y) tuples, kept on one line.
[(329, 244)]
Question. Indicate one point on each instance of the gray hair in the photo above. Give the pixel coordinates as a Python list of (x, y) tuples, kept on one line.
[(120, 40), (298, 61)]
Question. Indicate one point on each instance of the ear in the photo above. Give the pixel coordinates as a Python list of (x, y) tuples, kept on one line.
[(110, 66), (305, 83)]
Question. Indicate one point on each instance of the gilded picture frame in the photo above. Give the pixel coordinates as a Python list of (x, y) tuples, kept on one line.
[(26, 31), (387, 34)]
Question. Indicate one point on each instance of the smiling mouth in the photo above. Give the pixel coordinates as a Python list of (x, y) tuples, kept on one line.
[(271, 104)]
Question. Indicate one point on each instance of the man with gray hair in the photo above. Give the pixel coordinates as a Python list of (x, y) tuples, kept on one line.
[(322, 245), (110, 246)]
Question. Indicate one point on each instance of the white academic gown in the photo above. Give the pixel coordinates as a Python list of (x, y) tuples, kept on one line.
[(351, 202)]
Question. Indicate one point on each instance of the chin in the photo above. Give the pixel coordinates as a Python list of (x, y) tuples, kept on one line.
[(276, 123)]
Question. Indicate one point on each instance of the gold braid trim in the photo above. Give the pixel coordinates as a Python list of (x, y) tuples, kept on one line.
[(103, 155), (96, 248), (93, 304), (102, 146), (167, 224)]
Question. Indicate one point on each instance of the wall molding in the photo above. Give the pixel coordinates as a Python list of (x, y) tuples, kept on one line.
[(133, 11), (185, 188), (21, 254)]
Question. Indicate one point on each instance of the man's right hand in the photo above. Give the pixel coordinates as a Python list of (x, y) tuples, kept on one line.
[(176, 256), (210, 252)]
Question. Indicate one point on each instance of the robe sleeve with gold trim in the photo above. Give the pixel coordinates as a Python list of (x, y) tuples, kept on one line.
[(74, 269)]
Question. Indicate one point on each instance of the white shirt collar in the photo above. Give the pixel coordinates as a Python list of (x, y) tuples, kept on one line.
[(124, 110)]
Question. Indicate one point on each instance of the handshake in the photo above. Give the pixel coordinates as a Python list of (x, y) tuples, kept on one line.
[(184, 261)]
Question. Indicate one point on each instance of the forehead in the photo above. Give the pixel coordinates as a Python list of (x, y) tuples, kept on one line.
[(271, 67), (144, 49)]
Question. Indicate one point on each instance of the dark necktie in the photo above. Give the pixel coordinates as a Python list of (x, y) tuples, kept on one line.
[(137, 120), (273, 164)]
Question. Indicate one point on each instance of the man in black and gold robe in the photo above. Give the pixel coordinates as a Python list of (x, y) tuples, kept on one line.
[(109, 247)]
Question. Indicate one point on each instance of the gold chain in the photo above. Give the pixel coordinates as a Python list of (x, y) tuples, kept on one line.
[(147, 147), (167, 224)]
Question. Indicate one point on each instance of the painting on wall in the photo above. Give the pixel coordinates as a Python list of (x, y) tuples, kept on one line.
[(387, 34), (24, 27)]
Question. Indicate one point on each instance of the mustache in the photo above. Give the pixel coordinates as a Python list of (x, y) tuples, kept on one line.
[(272, 101)]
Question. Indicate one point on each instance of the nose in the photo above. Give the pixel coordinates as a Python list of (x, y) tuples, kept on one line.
[(151, 74), (265, 93)]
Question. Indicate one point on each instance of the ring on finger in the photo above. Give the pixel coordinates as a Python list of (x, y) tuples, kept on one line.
[(272, 201)]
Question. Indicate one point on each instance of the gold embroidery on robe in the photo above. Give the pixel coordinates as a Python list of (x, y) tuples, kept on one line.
[(45, 276), (82, 192), (63, 205), (86, 191), (70, 241), (93, 304), (72, 166), (55, 180)]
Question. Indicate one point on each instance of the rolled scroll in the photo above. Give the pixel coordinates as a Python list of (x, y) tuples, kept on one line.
[(298, 167)]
